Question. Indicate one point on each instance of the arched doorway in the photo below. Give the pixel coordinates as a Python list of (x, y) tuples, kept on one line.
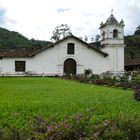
[(70, 66)]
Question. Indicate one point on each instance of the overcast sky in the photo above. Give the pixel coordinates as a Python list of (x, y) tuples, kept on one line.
[(38, 18)]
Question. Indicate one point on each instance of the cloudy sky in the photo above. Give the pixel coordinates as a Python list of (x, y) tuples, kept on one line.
[(38, 18)]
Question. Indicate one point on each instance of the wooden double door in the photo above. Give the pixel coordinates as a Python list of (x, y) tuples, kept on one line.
[(70, 66)]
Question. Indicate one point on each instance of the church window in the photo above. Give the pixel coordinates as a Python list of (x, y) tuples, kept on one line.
[(115, 33), (20, 66), (70, 48)]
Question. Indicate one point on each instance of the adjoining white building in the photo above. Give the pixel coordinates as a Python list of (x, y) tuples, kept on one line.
[(71, 55)]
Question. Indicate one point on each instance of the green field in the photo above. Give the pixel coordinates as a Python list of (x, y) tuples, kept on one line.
[(21, 99)]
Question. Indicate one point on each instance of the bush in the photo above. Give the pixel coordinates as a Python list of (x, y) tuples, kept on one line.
[(88, 72), (121, 128), (68, 129), (82, 127), (12, 133), (100, 82), (125, 80), (137, 94)]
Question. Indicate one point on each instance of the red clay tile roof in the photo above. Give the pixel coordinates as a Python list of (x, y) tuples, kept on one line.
[(15, 53), (33, 52), (132, 62), (22, 52)]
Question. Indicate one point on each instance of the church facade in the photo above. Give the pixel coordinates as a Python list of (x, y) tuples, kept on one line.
[(71, 55)]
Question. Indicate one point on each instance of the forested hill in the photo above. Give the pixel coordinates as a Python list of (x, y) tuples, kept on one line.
[(14, 40), (132, 49)]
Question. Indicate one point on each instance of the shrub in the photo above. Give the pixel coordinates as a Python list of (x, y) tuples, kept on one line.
[(83, 80), (136, 82), (107, 75), (67, 76), (124, 81), (137, 94), (82, 127), (100, 82), (69, 128), (121, 128), (88, 72), (130, 126), (12, 133)]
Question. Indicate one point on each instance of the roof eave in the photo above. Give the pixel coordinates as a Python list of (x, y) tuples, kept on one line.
[(38, 51)]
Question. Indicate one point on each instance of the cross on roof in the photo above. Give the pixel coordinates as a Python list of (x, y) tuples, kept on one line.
[(111, 11)]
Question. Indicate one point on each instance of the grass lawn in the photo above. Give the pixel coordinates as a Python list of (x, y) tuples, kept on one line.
[(21, 99)]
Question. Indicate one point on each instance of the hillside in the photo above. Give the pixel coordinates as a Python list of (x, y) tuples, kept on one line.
[(14, 40), (132, 49)]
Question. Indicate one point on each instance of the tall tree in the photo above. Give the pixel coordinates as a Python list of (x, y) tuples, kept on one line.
[(61, 32), (97, 38), (137, 32), (86, 38)]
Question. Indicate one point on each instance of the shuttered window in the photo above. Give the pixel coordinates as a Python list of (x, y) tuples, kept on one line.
[(20, 66), (70, 48)]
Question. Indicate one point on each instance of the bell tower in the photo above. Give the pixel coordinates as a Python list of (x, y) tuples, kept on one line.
[(112, 42)]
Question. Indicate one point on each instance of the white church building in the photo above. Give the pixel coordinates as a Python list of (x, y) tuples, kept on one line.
[(71, 55)]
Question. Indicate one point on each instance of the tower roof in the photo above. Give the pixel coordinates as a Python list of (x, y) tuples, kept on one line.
[(111, 20)]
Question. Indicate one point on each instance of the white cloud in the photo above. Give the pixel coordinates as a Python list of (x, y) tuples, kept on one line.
[(38, 18)]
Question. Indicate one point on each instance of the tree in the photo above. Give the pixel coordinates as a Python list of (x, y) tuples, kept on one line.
[(137, 32), (86, 38), (132, 49), (92, 39), (61, 32), (97, 38)]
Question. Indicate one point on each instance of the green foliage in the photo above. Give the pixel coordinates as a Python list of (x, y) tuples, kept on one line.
[(88, 72), (11, 39), (82, 127), (60, 32), (69, 128), (132, 49), (14, 40), (137, 32), (125, 80), (13, 133)]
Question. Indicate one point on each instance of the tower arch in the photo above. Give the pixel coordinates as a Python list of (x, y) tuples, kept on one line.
[(115, 33)]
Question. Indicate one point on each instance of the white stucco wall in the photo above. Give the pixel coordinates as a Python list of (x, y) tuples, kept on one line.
[(116, 57), (0, 66), (51, 61), (8, 65)]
